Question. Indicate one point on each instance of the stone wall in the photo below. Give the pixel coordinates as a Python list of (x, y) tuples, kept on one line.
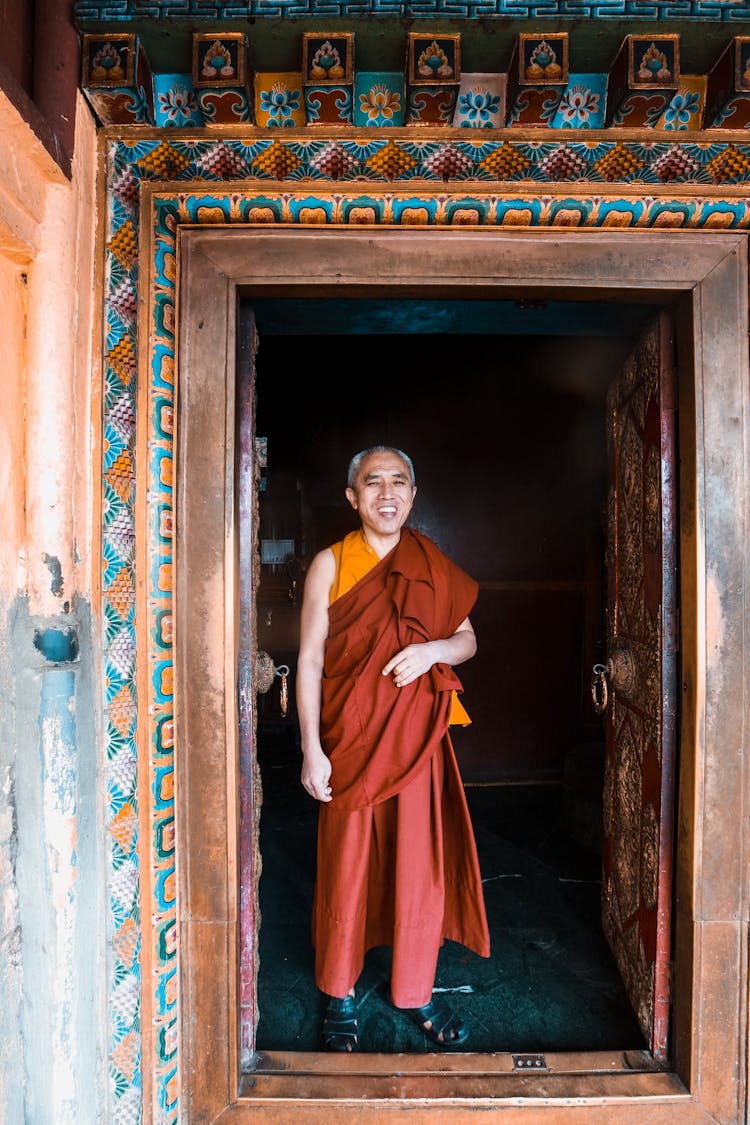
[(52, 941)]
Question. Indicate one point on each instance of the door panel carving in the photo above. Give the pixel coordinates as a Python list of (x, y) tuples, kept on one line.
[(641, 642)]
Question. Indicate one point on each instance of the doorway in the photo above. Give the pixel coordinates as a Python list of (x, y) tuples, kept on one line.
[(507, 431), (706, 276)]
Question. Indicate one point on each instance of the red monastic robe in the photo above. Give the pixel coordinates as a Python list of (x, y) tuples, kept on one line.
[(397, 862)]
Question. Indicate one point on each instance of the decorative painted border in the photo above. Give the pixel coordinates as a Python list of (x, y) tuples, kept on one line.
[(108, 11), (598, 159), (187, 175)]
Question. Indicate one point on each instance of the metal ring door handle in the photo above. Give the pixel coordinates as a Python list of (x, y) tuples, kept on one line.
[(599, 689)]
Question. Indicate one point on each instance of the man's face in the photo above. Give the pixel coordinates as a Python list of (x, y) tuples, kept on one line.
[(383, 493)]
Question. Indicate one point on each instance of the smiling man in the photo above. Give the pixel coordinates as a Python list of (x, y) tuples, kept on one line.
[(384, 619)]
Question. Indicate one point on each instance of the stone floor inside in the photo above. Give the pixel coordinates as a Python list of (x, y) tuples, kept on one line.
[(550, 983)]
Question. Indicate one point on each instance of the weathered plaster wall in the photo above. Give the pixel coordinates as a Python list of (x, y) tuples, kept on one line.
[(52, 940), (13, 305)]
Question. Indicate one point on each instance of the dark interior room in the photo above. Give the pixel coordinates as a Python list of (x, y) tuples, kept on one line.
[(501, 406)]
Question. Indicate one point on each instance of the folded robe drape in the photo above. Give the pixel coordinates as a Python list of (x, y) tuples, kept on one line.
[(397, 862)]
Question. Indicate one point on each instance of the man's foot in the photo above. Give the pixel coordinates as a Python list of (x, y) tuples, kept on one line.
[(339, 1032), (439, 1023)]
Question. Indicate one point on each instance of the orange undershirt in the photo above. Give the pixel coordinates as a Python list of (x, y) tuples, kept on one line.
[(354, 559)]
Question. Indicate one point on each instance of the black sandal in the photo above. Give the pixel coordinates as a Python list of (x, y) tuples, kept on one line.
[(339, 1031), (439, 1023)]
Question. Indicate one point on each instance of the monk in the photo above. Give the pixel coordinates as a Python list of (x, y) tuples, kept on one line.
[(385, 616)]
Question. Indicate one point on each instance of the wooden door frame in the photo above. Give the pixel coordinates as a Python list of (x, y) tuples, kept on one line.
[(704, 275)]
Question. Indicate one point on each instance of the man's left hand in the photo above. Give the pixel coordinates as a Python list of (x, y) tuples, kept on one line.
[(411, 663)]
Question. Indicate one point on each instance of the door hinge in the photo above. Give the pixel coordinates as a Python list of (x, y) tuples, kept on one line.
[(245, 689)]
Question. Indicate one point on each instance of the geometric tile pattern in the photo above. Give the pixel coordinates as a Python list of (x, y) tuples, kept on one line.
[(369, 180), (118, 580), (729, 11), (378, 158)]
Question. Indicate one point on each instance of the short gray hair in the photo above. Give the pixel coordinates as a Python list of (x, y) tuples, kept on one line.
[(356, 462)]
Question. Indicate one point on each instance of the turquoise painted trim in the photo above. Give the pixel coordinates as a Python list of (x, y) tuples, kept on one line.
[(113, 11)]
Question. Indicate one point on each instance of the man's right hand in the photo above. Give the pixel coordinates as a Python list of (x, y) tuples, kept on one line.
[(316, 773)]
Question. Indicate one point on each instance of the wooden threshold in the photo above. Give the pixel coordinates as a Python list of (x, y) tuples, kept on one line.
[(498, 1088), (464, 1078), (590, 1087), (468, 1063), (602, 1087)]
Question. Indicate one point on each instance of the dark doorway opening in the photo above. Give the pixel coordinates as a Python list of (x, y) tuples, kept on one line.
[(506, 429)]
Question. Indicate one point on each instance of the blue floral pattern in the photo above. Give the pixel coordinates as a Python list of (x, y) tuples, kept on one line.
[(280, 103), (684, 105), (478, 109)]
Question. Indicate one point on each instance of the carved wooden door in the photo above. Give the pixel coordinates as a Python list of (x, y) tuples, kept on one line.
[(640, 672)]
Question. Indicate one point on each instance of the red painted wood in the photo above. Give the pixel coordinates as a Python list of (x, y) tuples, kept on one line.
[(16, 42)]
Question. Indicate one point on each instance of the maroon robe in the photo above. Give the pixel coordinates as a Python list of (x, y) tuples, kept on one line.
[(397, 862)]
